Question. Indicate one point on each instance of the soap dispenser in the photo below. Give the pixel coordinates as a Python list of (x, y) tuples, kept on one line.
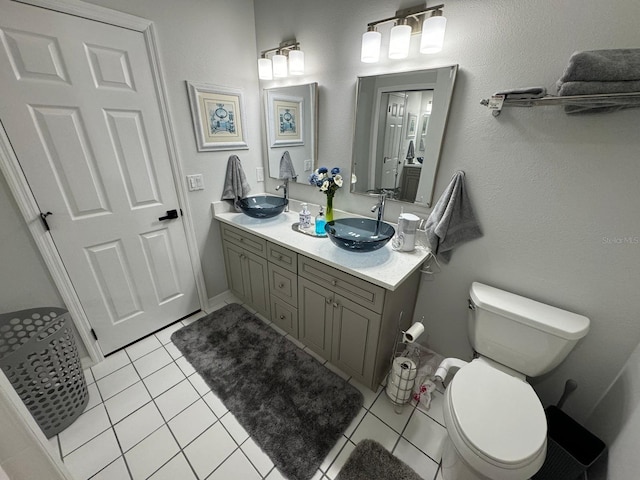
[(320, 222), (305, 217)]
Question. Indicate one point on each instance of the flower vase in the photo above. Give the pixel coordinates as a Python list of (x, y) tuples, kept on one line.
[(328, 214)]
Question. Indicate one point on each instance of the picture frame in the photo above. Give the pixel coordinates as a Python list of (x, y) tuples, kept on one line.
[(218, 117), (285, 116), (412, 125)]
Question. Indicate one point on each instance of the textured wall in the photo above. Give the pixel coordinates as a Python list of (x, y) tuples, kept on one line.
[(549, 189)]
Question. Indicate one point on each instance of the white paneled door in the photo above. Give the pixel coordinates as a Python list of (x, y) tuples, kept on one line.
[(79, 105)]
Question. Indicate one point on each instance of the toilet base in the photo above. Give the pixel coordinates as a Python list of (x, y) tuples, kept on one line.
[(454, 467)]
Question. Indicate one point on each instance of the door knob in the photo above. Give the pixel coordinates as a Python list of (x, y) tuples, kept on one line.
[(171, 214)]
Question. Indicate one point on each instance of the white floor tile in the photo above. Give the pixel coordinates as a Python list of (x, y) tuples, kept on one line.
[(215, 404), (236, 466), (355, 422), (190, 423), (53, 446), (143, 347), (93, 456), (163, 379), (127, 401), (176, 399), (257, 457), (386, 411), (88, 376), (87, 426), (177, 469), (333, 453), (110, 364), (200, 385), (152, 362), (368, 395), (426, 434), (117, 381), (198, 316), (165, 335), (339, 462), (275, 475), (138, 425), (318, 476), (115, 471), (422, 464), (372, 427), (237, 431), (173, 351), (209, 450), (94, 397), (185, 366), (152, 453), (435, 409)]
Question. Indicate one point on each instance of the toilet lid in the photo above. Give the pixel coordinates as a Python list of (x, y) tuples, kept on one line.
[(498, 415)]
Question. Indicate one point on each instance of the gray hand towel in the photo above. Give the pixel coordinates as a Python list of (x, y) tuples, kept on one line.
[(235, 181), (287, 172), (452, 221), (411, 152), (617, 65), (596, 88), (527, 93)]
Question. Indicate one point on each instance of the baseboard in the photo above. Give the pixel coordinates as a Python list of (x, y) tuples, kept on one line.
[(218, 299)]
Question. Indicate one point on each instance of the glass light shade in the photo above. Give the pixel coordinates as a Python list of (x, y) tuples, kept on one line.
[(399, 41), (370, 47), (296, 62), (279, 65), (265, 71), (433, 34)]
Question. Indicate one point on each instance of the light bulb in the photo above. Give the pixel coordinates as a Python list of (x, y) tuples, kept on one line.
[(265, 71), (433, 30), (371, 47), (399, 41), (279, 65), (296, 62)]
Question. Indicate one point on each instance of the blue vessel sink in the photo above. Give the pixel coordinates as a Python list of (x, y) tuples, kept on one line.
[(359, 234), (262, 206)]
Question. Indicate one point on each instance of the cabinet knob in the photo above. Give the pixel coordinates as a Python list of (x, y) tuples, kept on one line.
[(279, 257), (281, 317), (336, 305), (241, 239), (334, 282), (281, 285), (328, 300)]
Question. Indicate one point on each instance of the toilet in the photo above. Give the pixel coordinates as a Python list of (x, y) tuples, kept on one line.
[(496, 424)]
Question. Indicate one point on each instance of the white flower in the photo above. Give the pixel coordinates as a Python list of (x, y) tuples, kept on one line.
[(325, 186), (338, 180)]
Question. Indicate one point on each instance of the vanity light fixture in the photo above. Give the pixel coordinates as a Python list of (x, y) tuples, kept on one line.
[(281, 61), (419, 19)]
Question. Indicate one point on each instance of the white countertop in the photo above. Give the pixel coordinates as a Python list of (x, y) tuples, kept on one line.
[(385, 267)]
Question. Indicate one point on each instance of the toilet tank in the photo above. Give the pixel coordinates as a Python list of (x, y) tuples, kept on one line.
[(527, 336)]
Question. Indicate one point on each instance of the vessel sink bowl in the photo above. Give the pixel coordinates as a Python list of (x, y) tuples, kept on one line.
[(359, 234), (262, 206)]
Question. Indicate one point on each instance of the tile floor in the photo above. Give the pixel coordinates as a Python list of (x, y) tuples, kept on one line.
[(151, 416)]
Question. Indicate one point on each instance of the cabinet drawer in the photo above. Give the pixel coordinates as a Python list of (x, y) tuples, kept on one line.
[(358, 290), (247, 241), (284, 316), (283, 284), (282, 256)]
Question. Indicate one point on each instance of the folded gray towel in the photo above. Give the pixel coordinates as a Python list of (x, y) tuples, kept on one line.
[(287, 172), (616, 65), (411, 152), (235, 181), (452, 220), (528, 93), (595, 88)]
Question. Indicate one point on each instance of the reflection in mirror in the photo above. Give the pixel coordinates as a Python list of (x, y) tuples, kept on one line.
[(291, 127), (400, 123)]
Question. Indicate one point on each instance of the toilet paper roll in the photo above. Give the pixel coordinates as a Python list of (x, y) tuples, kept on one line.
[(413, 333), (401, 379)]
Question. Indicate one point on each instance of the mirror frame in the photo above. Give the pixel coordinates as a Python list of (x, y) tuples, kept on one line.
[(442, 96), (308, 123)]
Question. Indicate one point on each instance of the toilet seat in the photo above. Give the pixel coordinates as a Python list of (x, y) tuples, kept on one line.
[(497, 416)]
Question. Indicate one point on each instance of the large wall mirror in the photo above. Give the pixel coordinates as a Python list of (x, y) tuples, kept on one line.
[(291, 127), (400, 124)]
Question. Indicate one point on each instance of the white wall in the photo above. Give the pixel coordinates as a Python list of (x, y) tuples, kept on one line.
[(547, 187)]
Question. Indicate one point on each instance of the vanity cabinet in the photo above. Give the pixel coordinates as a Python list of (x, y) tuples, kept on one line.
[(283, 285), (247, 268), (409, 182)]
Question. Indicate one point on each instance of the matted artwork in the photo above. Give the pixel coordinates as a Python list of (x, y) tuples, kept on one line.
[(286, 117), (218, 117), (411, 130)]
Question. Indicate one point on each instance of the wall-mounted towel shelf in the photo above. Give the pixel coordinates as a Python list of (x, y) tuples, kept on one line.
[(496, 104)]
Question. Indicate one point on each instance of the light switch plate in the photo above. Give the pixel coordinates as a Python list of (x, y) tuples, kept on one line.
[(195, 182), (260, 174), (307, 165)]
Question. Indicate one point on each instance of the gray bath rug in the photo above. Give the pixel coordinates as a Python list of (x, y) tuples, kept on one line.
[(371, 461), (293, 407)]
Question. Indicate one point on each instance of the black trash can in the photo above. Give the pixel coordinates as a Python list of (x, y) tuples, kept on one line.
[(571, 448)]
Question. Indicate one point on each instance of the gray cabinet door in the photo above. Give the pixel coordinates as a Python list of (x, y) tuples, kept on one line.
[(235, 277), (355, 338), (315, 307)]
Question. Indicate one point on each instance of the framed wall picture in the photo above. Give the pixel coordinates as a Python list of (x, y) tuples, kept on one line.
[(218, 117), (285, 115), (412, 125)]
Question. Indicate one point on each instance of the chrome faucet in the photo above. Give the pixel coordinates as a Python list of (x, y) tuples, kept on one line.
[(382, 197), (285, 186)]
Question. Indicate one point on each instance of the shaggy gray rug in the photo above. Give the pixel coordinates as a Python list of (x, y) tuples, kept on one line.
[(293, 407), (371, 461)]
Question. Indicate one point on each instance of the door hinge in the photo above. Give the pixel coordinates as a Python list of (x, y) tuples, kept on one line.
[(94, 335)]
